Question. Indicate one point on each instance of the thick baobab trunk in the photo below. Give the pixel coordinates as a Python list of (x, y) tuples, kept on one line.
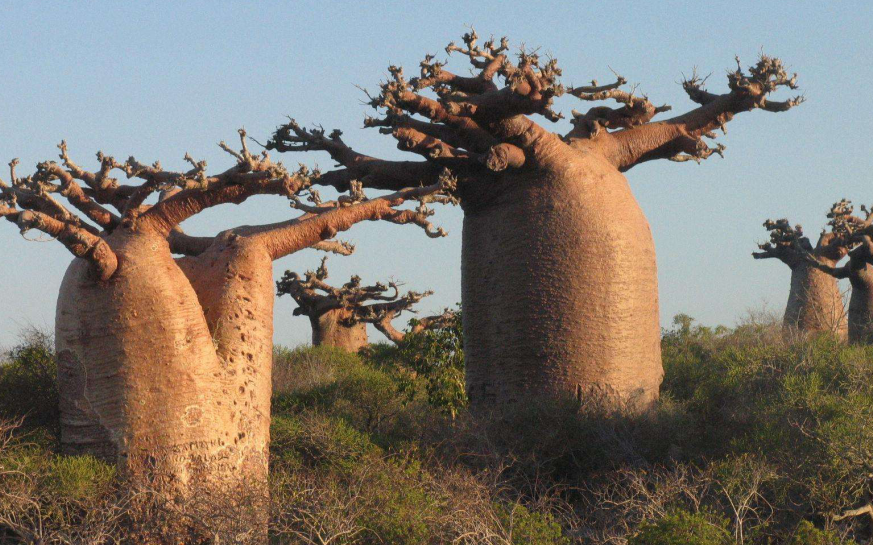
[(329, 329), (138, 374), (233, 281), (861, 305), (815, 303), (560, 291)]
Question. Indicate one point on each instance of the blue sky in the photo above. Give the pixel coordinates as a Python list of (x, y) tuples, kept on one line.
[(158, 79)]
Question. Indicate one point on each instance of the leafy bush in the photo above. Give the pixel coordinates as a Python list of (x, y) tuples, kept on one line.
[(307, 367), (530, 527), (337, 382), (28, 382), (682, 528), (437, 356), (317, 440), (807, 534), (431, 359)]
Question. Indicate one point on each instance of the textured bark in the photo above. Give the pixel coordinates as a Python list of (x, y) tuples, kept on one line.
[(559, 294), (815, 303), (137, 371), (234, 285), (861, 303), (331, 329)]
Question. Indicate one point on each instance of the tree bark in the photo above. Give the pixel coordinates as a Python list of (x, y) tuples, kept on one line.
[(815, 303), (861, 305), (328, 329), (560, 291), (147, 385), (233, 281)]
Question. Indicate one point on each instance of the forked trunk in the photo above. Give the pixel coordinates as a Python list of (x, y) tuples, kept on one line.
[(815, 303), (330, 329), (560, 290), (146, 384), (861, 305)]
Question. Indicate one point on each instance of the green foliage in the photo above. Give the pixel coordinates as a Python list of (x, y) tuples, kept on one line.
[(316, 440), (433, 358), (334, 381), (531, 527), (399, 507), (807, 534), (307, 367), (682, 528), (28, 382), (69, 478), (802, 406)]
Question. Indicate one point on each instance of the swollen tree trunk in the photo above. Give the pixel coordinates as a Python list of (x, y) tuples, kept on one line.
[(560, 292), (329, 329), (815, 303), (140, 382), (861, 303)]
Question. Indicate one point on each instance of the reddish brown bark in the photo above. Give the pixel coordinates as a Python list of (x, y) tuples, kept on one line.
[(815, 303), (558, 265)]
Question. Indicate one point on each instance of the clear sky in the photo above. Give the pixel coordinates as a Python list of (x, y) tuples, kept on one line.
[(156, 79)]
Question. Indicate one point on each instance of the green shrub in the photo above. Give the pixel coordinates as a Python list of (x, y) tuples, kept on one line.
[(530, 527), (307, 367), (317, 440), (682, 528), (368, 398), (28, 382), (807, 534), (398, 509), (431, 358)]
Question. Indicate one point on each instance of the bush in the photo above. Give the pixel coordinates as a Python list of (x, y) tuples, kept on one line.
[(682, 528), (530, 527), (807, 534), (317, 440), (433, 358), (307, 367), (79, 477), (340, 384), (29, 384)]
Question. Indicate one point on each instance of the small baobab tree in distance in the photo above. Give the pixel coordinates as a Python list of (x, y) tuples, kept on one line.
[(339, 315), (559, 282), (815, 303), (854, 233), (164, 364)]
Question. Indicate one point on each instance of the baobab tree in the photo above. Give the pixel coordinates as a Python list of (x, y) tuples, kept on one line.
[(559, 282), (815, 303), (339, 315), (853, 232), (164, 364)]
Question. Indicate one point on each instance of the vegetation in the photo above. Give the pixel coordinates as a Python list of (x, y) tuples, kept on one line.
[(758, 439)]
